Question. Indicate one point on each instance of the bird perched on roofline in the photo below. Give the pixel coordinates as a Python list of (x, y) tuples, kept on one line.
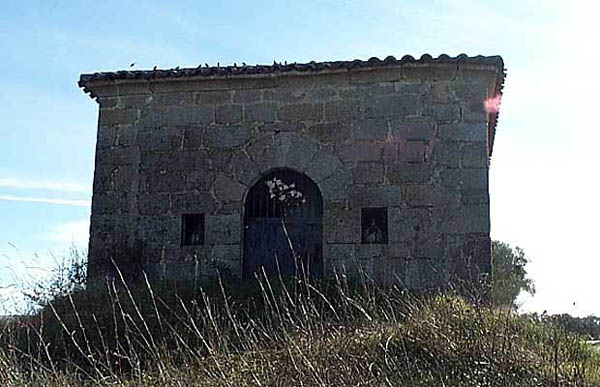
[(132, 64), (244, 64), (154, 68), (206, 65)]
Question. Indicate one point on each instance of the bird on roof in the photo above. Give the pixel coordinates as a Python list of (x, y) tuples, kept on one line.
[(234, 64), (206, 65), (244, 64), (218, 65), (177, 68), (285, 62), (154, 68), (132, 64)]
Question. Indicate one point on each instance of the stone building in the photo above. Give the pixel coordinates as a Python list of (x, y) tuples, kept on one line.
[(391, 158)]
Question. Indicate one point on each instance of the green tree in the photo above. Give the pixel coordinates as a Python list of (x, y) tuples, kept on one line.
[(509, 276)]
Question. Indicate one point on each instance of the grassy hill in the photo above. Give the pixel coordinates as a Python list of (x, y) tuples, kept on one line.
[(278, 333)]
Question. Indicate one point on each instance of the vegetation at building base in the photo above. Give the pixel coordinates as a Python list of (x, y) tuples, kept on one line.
[(274, 332)]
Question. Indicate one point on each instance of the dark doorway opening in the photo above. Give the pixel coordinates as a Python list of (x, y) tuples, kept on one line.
[(283, 226)]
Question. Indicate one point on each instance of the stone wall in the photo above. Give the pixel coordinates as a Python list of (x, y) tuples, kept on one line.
[(413, 139)]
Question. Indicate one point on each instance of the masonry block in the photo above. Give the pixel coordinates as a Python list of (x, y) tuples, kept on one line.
[(223, 229), (409, 224), (193, 137), (228, 114), (109, 203), (474, 155), (220, 136), (227, 189), (420, 194), (212, 97), (322, 166), (447, 153), (444, 112), (118, 116), (386, 196), (192, 202), (401, 173), (356, 152), (178, 115), (247, 95), (261, 112), (106, 136), (153, 204), (337, 186), (183, 98), (392, 105), (463, 131), (329, 132), (159, 230), (301, 112), (412, 129), (243, 168), (473, 112), (340, 110), (473, 218), (165, 182), (368, 173), (412, 87), (341, 226), (471, 178), (370, 129), (160, 139), (300, 151)]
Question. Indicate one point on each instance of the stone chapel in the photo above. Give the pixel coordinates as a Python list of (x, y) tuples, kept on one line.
[(376, 166)]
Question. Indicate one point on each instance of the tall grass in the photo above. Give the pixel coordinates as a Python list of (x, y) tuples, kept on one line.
[(275, 332)]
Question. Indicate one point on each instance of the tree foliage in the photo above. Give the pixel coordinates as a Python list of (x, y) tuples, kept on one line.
[(67, 276), (509, 274)]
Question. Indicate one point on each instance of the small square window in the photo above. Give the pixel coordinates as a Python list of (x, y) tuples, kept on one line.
[(374, 225), (192, 230)]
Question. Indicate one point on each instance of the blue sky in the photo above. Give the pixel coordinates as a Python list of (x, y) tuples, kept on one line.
[(543, 183)]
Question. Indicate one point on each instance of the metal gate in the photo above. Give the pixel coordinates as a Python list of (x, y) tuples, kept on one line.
[(283, 226)]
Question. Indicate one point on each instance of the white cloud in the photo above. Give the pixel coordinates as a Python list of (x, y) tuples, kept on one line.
[(76, 232), (50, 185), (62, 202)]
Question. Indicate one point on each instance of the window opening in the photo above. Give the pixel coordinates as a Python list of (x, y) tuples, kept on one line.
[(374, 225), (192, 230)]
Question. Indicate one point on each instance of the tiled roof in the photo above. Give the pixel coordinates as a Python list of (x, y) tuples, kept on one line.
[(206, 71), (281, 68)]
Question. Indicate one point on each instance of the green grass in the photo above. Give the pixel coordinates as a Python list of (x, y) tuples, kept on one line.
[(285, 333)]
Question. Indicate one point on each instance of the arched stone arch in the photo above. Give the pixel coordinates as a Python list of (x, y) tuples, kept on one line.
[(302, 154), (283, 225)]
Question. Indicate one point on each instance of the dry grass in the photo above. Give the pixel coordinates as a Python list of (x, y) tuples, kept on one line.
[(285, 333)]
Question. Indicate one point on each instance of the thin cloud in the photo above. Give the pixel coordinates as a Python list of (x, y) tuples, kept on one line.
[(43, 185), (62, 202), (77, 232)]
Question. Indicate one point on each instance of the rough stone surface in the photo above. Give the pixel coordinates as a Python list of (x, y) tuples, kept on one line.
[(412, 139)]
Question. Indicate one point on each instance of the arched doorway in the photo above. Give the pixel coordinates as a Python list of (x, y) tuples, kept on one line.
[(283, 226)]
